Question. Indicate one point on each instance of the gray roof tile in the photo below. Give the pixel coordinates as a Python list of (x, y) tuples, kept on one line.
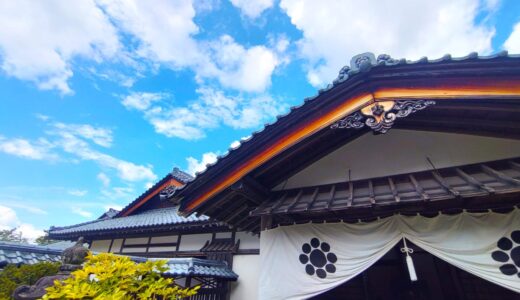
[(16, 253), (155, 217), (180, 267)]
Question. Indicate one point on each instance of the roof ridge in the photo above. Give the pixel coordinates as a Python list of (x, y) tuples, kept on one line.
[(359, 64)]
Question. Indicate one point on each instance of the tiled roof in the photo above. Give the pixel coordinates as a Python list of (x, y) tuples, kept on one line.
[(220, 245), (196, 267), (15, 253), (151, 218), (360, 64), (180, 176)]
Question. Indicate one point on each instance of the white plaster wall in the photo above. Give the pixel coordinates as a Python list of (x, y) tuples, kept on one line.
[(116, 246), (223, 235), (247, 240), (164, 239), (134, 250), (100, 245), (401, 151), (193, 242), (248, 268), (136, 241), (161, 249)]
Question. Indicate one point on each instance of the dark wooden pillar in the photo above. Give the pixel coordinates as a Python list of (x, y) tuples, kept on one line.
[(266, 222)]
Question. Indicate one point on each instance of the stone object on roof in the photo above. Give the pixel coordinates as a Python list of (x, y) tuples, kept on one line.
[(109, 214)]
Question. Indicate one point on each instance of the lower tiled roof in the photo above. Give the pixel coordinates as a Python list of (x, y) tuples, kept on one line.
[(151, 218), (181, 267), (15, 253)]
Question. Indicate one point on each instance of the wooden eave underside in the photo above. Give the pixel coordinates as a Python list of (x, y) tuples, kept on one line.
[(491, 185), (494, 118), (383, 83)]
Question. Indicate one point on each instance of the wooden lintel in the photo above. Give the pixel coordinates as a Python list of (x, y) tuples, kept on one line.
[(266, 222)]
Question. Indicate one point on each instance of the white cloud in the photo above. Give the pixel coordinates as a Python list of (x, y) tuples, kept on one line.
[(77, 193), (82, 212), (164, 28), (105, 180), (334, 31), (39, 40), (235, 144), (37, 150), (74, 139), (196, 166), (212, 109), (34, 45), (42, 117), (252, 8), (98, 135), (30, 232), (148, 185), (512, 44), (141, 101), (10, 220), (121, 192), (165, 32), (126, 170), (237, 67)]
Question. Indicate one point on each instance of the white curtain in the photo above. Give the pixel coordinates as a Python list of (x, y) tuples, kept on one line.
[(301, 261)]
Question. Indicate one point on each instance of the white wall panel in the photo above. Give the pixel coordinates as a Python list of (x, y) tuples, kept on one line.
[(136, 241), (247, 240), (100, 245), (116, 245), (247, 267), (193, 242), (164, 239), (401, 151)]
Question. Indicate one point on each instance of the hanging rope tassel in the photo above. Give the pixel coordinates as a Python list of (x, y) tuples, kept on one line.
[(409, 261)]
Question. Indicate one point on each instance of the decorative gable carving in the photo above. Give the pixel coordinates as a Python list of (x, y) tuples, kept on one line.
[(380, 116)]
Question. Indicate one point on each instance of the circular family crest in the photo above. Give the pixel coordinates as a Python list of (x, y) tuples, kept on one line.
[(317, 258), (509, 252)]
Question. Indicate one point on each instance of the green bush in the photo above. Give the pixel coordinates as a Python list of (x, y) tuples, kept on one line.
[(12, 276)]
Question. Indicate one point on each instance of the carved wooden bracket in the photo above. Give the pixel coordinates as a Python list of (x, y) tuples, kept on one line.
[(380, 116)]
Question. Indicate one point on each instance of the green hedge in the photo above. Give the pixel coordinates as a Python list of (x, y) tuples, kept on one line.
[(12, 276)]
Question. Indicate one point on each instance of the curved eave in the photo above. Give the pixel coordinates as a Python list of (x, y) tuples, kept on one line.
[(494, 78)]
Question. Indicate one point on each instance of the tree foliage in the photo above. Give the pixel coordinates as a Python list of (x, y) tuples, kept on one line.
[(44, 240), (12, 276), (108, 276), (10, 235)]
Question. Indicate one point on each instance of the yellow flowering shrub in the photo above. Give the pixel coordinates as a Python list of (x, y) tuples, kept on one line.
[(108, 276)]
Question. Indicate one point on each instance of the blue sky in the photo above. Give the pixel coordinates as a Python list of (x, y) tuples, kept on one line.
[(100, 99)]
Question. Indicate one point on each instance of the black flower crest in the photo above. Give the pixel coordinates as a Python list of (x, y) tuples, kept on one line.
[(510, 252), (317, 258)]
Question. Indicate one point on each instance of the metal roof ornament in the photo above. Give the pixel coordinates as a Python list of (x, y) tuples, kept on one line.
[(380, 116)]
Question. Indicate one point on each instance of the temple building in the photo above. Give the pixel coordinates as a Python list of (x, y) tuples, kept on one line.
[(198, 250), (400, 180)]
